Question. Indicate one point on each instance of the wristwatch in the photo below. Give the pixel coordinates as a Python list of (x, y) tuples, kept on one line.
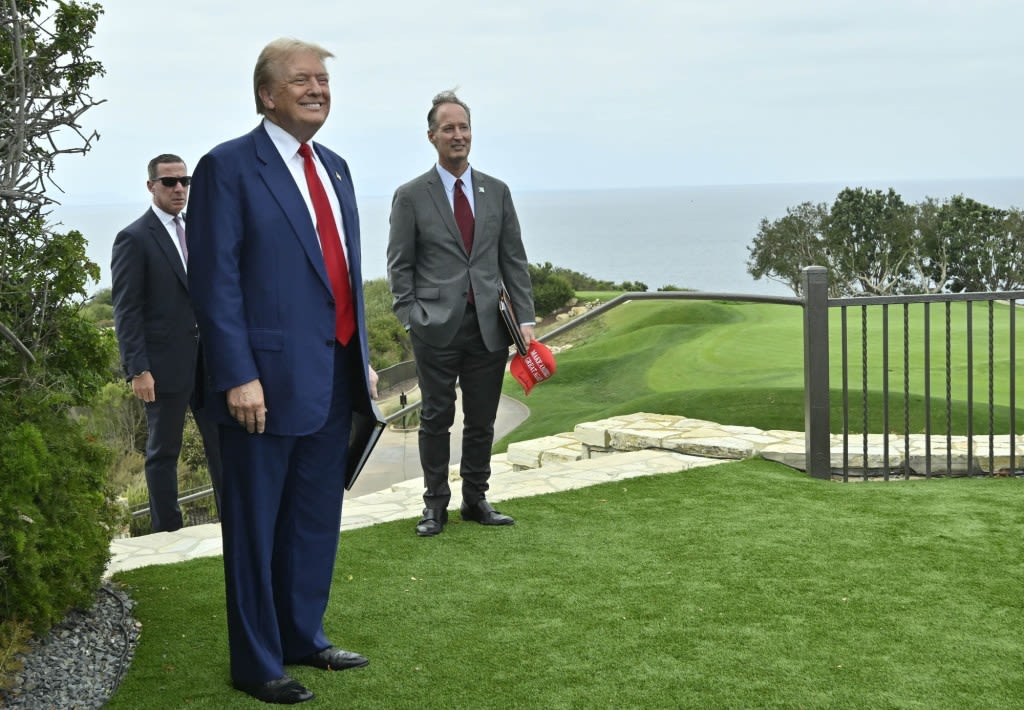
[(135, 377)]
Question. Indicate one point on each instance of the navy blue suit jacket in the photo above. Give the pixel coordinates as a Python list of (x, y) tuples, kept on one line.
[(153, 319), (259, 285)]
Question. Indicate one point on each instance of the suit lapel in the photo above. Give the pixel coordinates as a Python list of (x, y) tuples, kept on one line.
[(163, 242), (346, 195), (345, 191), (484, 205), (341, 181), (282, 186)]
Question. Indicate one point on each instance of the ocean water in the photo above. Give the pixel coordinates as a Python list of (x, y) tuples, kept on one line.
[(692, 237)]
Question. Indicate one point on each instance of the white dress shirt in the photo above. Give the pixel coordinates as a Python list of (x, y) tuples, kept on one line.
[(167, 220), (288, 147)]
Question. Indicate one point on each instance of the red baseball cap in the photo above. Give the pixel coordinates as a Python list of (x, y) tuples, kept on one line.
[(537, 365)]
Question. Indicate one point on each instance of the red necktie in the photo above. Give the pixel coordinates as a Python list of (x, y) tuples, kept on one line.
[(334, 255), (464, 216)]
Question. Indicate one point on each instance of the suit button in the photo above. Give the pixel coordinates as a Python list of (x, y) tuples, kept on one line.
[(329, 343)]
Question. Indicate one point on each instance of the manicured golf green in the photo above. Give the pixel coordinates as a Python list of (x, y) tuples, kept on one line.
[(742, 363)]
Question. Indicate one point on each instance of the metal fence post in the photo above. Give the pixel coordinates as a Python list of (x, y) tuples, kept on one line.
[(816, 408)]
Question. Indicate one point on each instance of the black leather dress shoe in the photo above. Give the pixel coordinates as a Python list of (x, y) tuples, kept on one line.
[(483, 513), (283, 691), (334, 659), (432, 522)]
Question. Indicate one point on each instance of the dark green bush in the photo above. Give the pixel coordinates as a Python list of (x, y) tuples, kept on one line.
[(389, 343), (551, 290), (56, 515)]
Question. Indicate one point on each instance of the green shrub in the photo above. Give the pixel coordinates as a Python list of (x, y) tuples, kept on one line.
[(193, 469), (117, 418), (56, 515), (388, 341), (551, 291)]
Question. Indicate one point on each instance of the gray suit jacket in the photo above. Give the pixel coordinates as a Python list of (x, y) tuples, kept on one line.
[(430, 272)]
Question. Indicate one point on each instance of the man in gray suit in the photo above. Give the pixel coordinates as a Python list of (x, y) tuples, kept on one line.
[(157, 335), (454, 240)]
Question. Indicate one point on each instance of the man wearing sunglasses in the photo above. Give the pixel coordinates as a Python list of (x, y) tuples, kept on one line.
[(157, 335)]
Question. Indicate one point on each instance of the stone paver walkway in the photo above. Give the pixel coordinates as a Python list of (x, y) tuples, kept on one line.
[(612, 449)]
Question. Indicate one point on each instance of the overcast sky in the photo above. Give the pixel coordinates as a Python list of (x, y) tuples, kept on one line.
[(571, 94)]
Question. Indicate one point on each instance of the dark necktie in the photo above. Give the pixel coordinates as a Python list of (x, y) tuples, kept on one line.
[(330, 243), (180, 229), (464, 216)]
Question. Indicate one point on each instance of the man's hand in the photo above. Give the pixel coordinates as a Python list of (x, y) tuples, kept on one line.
[(373, 379), (246, 405), (527, 331), (144, 386)]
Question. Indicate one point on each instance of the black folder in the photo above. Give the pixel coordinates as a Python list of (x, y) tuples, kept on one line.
[(366, 431), (508, 315)]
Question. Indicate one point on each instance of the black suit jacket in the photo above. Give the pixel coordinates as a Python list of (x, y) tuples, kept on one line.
[(153, 317)]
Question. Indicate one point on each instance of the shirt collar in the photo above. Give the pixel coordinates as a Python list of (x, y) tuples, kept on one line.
[(166, 217), (285, 142), (448, 180)]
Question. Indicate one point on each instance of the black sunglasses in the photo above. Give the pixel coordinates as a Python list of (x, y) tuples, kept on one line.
[(172, 181)]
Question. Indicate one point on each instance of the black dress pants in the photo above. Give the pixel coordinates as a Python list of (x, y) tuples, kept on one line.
[(165, 422), (479, 373)]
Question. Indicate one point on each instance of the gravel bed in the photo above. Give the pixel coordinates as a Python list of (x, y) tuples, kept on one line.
[(81, 661)]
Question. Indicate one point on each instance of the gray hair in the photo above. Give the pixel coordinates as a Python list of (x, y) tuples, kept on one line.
[(162, 159), (268, 63), (445, 97)]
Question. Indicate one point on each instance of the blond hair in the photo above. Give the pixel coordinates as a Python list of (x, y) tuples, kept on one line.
[(270, 59)]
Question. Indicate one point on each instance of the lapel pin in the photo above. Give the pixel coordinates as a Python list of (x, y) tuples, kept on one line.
[(480, 189), (336, 175)]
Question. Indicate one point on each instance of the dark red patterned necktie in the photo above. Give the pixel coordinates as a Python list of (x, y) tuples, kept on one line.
[(334, 255), (464, 216)]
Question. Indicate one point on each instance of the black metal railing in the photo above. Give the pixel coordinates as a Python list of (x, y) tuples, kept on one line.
[(875, 367)]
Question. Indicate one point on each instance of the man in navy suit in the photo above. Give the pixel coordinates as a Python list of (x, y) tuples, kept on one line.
[(277, 287), (157, 336)]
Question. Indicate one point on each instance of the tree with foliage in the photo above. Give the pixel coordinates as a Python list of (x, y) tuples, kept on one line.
[(933, 259), (56, 519), (973, 247), (44, 77), (870, 237), (873, 243), (784, 247)]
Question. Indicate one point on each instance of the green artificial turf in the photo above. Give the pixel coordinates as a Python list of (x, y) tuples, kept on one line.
[(737, 586)]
